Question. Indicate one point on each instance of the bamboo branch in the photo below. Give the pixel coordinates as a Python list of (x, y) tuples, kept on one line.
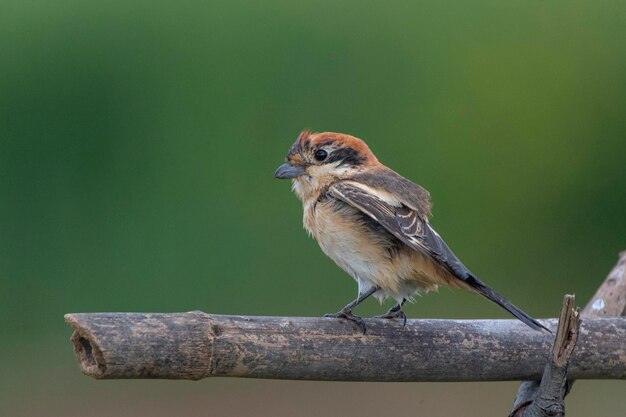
[(196, 345)]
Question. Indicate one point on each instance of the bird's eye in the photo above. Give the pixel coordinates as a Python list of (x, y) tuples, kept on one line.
[(321, 155)]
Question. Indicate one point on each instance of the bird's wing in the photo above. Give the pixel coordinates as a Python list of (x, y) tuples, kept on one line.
[(383, 178), (403, 222), (410, 227)]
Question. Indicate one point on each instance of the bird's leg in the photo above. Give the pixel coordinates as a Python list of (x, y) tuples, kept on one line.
[(395, 312), (346, 312)]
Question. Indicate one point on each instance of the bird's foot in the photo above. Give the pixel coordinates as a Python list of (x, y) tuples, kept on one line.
[(347, 314), (394, 314)]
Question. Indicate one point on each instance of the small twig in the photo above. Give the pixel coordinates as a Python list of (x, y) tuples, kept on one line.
[(548, 401), (609, 301), (567, 332)]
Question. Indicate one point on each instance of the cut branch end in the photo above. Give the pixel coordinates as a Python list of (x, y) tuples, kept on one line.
[(89, 355)]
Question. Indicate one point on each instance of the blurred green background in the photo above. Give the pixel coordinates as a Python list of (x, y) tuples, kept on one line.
[(138, 141)]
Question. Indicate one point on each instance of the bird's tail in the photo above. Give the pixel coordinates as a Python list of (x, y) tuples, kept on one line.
[(489, 293)]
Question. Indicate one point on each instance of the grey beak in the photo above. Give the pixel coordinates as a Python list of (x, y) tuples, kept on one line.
[(287, 170)]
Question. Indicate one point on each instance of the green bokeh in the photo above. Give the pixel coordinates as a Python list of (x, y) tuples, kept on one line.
[(138, 141)]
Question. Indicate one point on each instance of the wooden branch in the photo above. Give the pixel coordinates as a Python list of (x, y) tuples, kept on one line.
[(196, 345), (548, 400), (608, 301)]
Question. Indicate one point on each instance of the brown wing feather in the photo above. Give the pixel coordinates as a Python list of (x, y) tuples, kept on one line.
[(404, 223), (412, 195), (411, 228)]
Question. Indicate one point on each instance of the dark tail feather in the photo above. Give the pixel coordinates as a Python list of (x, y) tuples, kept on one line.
[(487, 292)]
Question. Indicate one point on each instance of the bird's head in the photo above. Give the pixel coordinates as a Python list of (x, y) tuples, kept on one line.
[(317, 159)]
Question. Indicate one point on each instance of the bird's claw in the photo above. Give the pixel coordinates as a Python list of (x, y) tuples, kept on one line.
[(347, 314), (394, 314)]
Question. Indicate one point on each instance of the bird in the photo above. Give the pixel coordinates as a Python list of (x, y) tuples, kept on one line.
[(375, 225)]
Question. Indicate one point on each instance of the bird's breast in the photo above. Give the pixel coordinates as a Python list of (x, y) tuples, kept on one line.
[(356, 243), (368, 252)]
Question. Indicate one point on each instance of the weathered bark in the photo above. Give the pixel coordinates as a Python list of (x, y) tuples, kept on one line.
[(196, 345), (608, 301), (547, 400)]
